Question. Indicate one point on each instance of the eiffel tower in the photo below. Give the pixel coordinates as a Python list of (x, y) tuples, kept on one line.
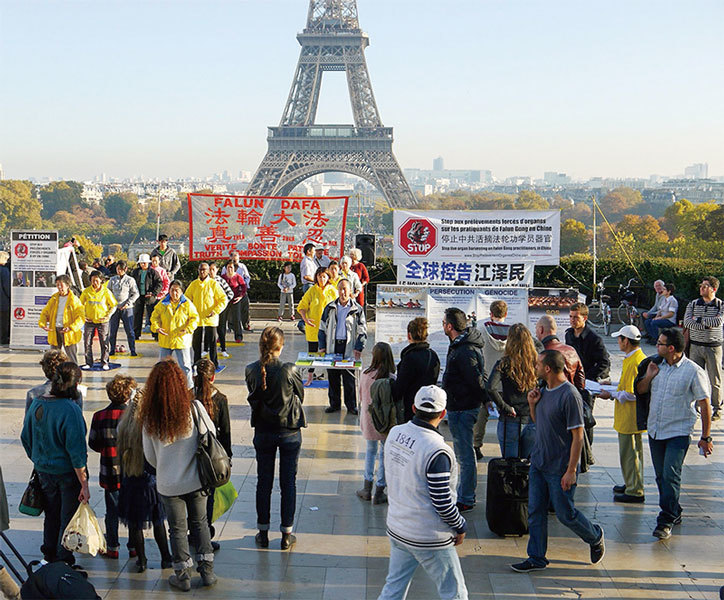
[(299, 148)]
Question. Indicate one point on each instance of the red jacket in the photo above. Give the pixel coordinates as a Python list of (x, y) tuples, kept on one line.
[(574, 368), (364, 277)]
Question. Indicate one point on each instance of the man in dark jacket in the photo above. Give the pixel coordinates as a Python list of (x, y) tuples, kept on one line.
[(149, 285), (419, 366), (464, 382), (588, 344), (168, 257), (546, 331)]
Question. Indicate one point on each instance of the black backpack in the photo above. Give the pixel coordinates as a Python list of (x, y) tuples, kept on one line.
[(57, 581)]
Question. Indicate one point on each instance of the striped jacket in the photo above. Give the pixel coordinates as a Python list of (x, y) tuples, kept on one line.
[(704, 322), (102, 439)]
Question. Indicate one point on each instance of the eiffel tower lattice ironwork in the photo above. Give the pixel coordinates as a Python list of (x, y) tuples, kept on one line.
[(299, 148)]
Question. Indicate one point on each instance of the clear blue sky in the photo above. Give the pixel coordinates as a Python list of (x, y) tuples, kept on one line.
[(187, 88)]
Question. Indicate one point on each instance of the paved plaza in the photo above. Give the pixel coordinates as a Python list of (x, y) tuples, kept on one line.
[(342, 550)]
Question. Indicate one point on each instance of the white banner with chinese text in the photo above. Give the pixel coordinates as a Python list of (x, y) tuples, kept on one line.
[(264, 228), (479, 235), (475, 273)]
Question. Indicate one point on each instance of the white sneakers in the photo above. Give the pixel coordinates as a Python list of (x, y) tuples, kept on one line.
[(225, 354)]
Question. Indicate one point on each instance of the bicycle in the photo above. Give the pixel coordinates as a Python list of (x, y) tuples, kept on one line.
[(627, 312), (599, 310)]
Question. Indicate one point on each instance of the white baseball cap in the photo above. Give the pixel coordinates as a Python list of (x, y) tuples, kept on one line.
[(144, 258), (629, 331), (430, 398)]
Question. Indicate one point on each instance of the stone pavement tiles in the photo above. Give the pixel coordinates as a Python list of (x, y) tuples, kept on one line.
[(342, 549)]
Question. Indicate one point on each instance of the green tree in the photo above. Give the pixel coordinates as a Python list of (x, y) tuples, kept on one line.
[(60, 195), (574, 237), (530, 200), (119, 206), (19, 208)]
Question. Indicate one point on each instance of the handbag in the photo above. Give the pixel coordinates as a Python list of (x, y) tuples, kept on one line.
[(224, 497), (32, 501), (214, 465)]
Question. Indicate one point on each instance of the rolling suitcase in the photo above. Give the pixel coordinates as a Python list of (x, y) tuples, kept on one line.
[(506, 506)]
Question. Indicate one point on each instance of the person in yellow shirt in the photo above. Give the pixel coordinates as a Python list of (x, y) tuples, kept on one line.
[(311, 306), (63, 318), (333, 271), (98, 304), (210, 300), (175, 319), (630, 446)]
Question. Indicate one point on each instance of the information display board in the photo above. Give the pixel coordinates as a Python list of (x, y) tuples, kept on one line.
[(477, 273), (34, 265)]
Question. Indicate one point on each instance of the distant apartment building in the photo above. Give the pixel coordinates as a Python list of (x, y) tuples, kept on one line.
[(553, 178), (438, 164), (697, 171)]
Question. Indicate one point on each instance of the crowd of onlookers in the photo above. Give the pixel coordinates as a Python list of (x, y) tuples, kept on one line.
[(543, 386)]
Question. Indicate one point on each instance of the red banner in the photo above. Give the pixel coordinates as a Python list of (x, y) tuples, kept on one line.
[(264, 228)]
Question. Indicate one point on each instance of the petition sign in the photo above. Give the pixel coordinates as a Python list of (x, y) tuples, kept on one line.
[(480, 235)]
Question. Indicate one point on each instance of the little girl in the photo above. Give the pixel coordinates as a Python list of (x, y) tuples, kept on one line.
[(382, 367), (139, 505), (286, 283)]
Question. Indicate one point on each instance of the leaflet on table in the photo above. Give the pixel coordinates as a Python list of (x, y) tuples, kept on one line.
[(595, 387)]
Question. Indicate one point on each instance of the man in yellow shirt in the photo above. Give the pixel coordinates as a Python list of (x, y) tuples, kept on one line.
[(98, 304), (209, 300), (630, 446)]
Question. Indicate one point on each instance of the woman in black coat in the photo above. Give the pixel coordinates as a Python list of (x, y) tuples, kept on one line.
[(419, 366)]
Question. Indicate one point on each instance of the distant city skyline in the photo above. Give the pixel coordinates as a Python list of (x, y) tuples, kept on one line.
[(185, 89)]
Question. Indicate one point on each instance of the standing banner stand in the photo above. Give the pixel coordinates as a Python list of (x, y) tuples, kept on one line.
[(34, 267)]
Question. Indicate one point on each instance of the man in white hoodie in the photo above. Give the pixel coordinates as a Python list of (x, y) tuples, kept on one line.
[(495, 334)]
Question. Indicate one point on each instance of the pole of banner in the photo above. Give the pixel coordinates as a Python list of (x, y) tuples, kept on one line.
[(594, 244), (359, 214), (158, 214)]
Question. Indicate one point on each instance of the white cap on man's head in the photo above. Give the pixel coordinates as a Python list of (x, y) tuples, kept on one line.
[(629, 331), (144, 258), (430, 398)]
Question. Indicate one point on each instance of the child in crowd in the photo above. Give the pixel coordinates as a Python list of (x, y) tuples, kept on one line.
[(382, 367), (286, 282), (102, 438), (217, 406), (139, 505)]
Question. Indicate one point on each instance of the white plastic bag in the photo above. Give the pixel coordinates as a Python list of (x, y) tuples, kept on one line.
[(83, 533)]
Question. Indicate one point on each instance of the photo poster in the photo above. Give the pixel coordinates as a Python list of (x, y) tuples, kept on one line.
[(34, 261), (396, 306), (263, 227), (555, 302), (475, 303)]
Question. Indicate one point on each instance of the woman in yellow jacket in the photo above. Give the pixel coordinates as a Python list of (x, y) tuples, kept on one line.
[(98, 303), (311, 307), (210, 300), (174, 319), (63, 319)]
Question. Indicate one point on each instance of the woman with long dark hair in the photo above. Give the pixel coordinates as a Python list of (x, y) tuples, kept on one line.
[(382, 367), (54, 439), (512, 377), (217, 406), (276, 394), (170, 440)]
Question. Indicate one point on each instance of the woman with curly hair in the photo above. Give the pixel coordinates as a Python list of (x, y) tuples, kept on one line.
[(512, 377), (169, 444), (139, 503), (276, 394), (217, 406)]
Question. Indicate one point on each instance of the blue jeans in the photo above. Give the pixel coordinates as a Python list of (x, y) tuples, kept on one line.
[(667, 457), (127, 317), (112, 519), (442, 565), (545, 488), (653, 326), (289, 444), (183, 357), (527, 438), (375, 449), (60, 501), (461, 427), (187, 513)]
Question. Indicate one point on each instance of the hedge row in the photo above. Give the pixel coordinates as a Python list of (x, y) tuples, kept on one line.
[(683, 273)]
